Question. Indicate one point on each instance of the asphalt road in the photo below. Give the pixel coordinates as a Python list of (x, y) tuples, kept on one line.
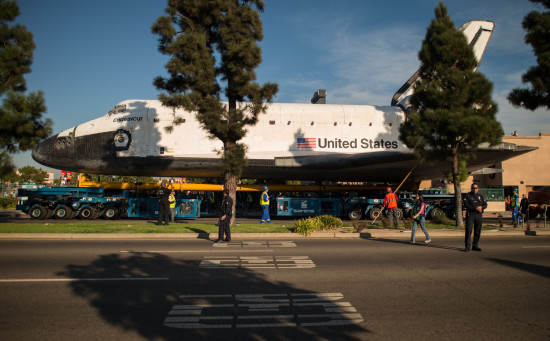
[(322, 289)]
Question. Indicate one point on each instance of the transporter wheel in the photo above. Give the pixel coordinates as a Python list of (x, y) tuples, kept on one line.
[(49, 214), (96, 214), (436, 212), (62, 212), (87, 212), (38, 212), (110, 213), (374, 212), (400, 213), (355, 213)]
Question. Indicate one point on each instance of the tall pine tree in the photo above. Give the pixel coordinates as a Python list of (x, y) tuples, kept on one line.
[(21, 122), (537, 25), (452, 110), (213, 49)]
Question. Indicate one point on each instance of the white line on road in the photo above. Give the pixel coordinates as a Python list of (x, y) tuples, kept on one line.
[(30, 280), (535, 247)]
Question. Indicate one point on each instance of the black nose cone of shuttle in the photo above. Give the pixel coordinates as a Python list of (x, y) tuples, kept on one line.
[(55, 152)]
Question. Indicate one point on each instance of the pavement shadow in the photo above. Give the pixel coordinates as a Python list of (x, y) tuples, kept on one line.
[(177, 299), (418, 244), (202, 233), (539, 270)]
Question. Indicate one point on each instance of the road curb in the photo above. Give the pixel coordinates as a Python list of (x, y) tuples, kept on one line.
[(243, 236)]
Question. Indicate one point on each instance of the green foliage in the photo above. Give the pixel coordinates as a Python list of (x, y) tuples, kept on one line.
[(330, 222), (30, 173), (358, 226), (537, 25), (320, 223), (8, 202), (441, 220), (21, 122), (213, 49), (452, 108)]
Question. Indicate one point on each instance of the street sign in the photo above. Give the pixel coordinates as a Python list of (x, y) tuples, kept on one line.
[(27, 185)]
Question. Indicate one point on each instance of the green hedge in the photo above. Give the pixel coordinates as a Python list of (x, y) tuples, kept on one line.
[(6, 202), (308, 225)]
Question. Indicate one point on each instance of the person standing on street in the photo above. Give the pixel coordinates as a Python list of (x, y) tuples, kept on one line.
[(474, 204), (264, 202), (164, 204), (419, 217), (226, 212), (515, 208), (172, 201), (524, 208), (391, 201)]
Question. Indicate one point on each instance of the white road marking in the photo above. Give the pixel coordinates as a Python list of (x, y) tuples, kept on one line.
[(30, 280), (535, 247), (257, 262), (246, 244), (261, 311)]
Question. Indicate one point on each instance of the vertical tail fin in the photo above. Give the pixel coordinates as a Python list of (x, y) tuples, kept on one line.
[(477, 33)]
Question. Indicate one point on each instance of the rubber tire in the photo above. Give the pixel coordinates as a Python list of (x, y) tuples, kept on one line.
[(400, 214), (110, 213), (63, 212), (375, 212), (355, 213), (87, 213), (437, 212), (38, 212)]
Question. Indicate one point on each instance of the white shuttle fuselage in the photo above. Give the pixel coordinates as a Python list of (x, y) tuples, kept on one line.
[(290, 141)]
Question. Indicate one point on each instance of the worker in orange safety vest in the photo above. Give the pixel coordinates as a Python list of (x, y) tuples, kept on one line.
[(391, 201)]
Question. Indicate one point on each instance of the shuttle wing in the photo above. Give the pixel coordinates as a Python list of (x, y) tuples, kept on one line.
[(477, 34), (389, 165)]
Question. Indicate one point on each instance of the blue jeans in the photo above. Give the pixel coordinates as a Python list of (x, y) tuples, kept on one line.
[(265, 213), (422, 226)]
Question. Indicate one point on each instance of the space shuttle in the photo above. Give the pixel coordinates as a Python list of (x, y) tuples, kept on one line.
[(289, 142)]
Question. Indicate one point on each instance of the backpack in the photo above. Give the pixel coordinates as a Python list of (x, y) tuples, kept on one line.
[(417, 208)]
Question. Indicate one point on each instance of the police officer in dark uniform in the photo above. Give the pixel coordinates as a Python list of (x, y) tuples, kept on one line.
[(475, 204), (164, 204), (226, 212)]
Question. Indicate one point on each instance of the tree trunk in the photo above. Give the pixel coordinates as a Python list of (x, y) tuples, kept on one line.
[(230, 182), (458, 190)]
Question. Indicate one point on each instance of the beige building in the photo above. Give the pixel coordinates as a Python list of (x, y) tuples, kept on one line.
[(48, 180), (526, 172)]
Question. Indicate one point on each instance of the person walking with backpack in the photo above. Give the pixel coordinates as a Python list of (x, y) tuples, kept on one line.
[(419, 217)]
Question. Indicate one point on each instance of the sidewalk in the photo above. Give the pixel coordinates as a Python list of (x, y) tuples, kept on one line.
[(341, 234), (491, 219)]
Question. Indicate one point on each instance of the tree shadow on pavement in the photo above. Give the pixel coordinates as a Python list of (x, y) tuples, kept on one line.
[(540, 270), (175, 298), (418, 244)]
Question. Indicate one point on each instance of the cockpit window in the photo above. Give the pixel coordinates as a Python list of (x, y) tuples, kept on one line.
[(117, 109)]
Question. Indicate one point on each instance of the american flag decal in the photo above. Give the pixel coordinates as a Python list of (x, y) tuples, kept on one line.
[(305, 142)]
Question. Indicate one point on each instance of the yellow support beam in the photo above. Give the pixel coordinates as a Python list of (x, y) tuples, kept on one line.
[(83, 182)]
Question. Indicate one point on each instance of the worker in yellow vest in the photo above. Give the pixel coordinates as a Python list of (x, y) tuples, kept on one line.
[(172, 201), (264, 202)]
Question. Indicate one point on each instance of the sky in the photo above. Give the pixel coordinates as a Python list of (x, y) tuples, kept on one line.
[(90, 55)]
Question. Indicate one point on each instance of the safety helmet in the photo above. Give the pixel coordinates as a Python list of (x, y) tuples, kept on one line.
[(265, 188)]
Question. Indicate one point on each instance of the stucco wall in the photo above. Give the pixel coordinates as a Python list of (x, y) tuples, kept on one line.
[(524, 171)]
